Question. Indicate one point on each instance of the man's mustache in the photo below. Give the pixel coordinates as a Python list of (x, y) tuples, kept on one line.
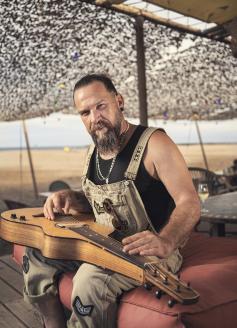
[(99, 125)]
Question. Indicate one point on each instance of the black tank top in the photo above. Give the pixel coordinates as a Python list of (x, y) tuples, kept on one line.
[(156, 199)]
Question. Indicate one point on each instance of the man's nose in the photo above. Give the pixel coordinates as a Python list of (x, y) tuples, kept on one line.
[(95, 115)]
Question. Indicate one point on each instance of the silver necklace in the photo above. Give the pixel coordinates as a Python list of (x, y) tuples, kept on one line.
[(98, 171), (100, 176)]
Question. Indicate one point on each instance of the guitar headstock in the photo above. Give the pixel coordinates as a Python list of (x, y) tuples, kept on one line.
[(167, 283)]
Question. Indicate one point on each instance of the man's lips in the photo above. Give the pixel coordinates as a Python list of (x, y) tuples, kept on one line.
[(99, 128)]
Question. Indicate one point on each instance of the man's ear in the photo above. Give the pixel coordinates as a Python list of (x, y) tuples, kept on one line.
[(120, 101)]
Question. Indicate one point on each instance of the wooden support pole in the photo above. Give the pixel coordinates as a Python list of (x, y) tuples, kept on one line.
[(30, 159), (231, 27), (141, 71), (201, 144)]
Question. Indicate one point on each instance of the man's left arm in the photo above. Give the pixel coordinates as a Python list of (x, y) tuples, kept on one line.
[(163, 160)]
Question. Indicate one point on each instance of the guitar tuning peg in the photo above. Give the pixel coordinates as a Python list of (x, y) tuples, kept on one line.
[(159, 294), (171, 303), (165, 282), (177, 289), (147, 286)]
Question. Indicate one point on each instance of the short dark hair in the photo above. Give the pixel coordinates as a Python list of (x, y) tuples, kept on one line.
[(90, 78)]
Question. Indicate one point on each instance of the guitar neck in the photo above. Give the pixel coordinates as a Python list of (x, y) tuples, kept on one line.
[(111, 245), (154, 272)]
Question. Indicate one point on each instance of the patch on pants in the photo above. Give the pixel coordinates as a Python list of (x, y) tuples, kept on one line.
[(81, 309), (25, 264)]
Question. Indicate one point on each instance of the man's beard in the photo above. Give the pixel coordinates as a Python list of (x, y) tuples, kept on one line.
[(109, 142)]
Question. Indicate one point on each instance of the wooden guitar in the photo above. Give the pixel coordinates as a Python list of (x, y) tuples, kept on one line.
[(80, 238)]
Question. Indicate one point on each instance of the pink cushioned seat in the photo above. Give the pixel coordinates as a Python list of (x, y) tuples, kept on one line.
[(210, 264)]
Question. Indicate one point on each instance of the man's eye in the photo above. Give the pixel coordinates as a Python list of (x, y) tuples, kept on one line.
[(85, 113), (101, 106)]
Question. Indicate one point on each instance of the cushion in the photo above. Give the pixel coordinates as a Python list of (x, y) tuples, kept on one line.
[(210, 265)]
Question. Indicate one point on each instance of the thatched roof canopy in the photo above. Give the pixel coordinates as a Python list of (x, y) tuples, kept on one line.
[(46, 46)]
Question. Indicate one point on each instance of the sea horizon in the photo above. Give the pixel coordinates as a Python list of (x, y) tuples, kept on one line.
[(61, 130), (85, 146)]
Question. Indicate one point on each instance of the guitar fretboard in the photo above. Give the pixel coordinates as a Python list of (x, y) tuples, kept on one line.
[(110, 244)]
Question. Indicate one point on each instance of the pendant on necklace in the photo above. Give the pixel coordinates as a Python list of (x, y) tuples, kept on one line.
[(107, 180)]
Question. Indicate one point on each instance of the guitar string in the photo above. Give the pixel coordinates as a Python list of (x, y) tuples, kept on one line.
[(114, 243), (119, 246)]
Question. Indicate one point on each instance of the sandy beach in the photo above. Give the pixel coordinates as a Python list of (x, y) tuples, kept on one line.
[(67, 164)]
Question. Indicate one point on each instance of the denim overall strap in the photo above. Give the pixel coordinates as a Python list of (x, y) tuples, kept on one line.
[(88, 158), (134, 164)]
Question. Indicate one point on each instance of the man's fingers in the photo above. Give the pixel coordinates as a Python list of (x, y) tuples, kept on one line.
[(136, 244), (139, 249), (57, 204), (134, 237), (67, 206), (60, 201), (129, 240), (46, 214), (51, 204), (48, 210), (145, 243)]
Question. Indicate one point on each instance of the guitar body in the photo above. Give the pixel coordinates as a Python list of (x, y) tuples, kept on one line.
[(56, 241), (78, 237)]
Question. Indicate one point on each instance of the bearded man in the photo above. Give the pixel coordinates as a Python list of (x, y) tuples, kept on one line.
[(134, 179)]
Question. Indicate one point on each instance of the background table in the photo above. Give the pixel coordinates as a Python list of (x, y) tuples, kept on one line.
[(219, 210)]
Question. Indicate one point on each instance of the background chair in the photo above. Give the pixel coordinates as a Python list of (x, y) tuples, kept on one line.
[(217, 183), (58, 185), (11, 204)]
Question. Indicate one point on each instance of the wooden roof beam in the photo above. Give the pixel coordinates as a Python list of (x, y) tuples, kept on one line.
[(134, 12)]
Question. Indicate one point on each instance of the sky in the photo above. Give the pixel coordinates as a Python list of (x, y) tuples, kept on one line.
[(61, 130)]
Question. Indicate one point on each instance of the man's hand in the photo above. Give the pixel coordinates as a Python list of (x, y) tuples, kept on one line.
[(147, 243), (61, 201)]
